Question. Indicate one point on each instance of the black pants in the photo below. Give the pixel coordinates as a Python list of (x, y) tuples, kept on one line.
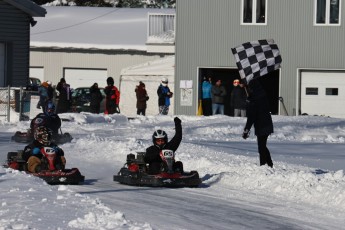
[(207, 106), (141, 111), (265, 155)]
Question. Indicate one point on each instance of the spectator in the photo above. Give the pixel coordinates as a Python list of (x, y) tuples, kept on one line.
[(258, 113), (112, 98), (65, 97), (164, 95), (43, 92), (142, 97), (96, 99), (218, 93), (238, 99), (206, 97)]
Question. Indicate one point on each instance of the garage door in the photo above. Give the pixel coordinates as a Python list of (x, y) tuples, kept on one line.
[(323, 93), (85, 77), (128, 97), (38, 72), (2, 64)]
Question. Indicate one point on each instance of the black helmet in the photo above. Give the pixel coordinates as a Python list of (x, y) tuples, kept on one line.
[(159, 134), (43, 135), (50, 108), (110, 81)]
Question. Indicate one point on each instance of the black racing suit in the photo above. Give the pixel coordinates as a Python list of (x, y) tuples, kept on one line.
[(152, 156), (35, 144)]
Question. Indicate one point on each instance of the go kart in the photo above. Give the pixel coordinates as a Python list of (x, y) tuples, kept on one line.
[(51, 171), (135, 172), (27, 137)]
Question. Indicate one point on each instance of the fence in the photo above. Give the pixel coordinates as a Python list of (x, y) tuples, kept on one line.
[(15, 102)]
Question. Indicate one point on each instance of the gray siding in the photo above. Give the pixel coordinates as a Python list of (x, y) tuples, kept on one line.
[(207, 30), (15, 33)]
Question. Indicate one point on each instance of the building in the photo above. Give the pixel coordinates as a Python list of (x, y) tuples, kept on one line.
[(88, 44), (309, 33), (16, 18)]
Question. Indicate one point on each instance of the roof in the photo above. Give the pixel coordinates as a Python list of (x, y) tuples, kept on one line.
[(28, 7), (161, 67), (93, 28)]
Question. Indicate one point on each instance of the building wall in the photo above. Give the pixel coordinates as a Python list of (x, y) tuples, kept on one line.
[(207, 30), (15, 33), (54, 61)]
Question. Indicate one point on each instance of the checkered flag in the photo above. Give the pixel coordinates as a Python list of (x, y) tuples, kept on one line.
[(257, 58)]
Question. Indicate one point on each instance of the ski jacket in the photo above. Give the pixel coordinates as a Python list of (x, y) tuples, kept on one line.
[(53, 122), (35, 144), (65, 97), (258, 111), (206, 90), (112, 99), (152, 152), (163, 97)]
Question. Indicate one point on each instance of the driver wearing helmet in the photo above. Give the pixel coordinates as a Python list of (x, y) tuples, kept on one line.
[(48, 119), (160, 142), (32, 152)]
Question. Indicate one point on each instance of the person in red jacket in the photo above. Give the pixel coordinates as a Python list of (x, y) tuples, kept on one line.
[(112, 98)]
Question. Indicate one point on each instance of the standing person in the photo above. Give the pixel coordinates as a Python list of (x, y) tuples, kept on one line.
[(112, 98), (164, 95), (258, 113), (218, 96), (142, 97), (43, 92), (238, 99), (206, 97), (96, 98), (65, 98)]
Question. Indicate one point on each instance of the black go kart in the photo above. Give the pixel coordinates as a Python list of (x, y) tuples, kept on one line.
[(134, 172), (27, 137), (51, 172)]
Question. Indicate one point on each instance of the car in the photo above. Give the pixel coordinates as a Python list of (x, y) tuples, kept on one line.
[(34, 83), (81, 98)]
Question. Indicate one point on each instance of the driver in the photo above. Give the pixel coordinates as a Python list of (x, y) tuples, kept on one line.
[(32, 152), (48, 119), (160, 142)]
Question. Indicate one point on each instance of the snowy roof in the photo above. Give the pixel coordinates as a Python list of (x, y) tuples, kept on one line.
[(93, 27), (160, 67)]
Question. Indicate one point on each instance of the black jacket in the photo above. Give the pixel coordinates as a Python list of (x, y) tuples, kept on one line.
[(238, 98), (258, 111), (152, 152), (96, 98), (53, 122)]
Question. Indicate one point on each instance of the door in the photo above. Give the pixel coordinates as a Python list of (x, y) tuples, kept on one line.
[(85, 77)]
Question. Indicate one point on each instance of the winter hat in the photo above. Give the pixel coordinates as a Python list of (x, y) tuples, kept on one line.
[(110, 81), (165, 80), (141, 83), (49, 82), (45, 84)]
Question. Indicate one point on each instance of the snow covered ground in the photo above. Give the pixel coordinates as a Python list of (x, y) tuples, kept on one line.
[(304, 190)]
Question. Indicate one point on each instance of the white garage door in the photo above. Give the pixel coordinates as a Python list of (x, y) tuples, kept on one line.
[(85, 77), (2, 64), (38, 72), (128, 98), (323, 93)]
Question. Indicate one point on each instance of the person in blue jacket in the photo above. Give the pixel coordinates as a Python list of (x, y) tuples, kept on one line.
[(206, 97), (164, 95)]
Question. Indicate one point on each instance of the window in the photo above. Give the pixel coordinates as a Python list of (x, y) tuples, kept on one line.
[(332, 91), (254, 12), (327, 12), (311, 91)]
